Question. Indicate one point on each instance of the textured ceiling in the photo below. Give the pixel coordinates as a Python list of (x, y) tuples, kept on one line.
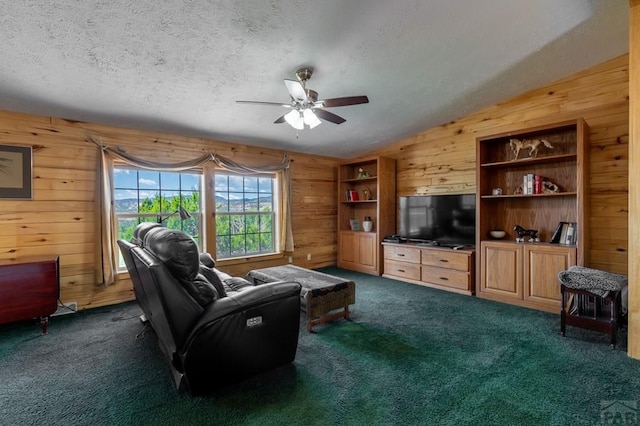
[(179, 66)]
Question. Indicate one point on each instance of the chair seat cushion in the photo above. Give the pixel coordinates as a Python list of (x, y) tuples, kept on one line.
[(594, 280)]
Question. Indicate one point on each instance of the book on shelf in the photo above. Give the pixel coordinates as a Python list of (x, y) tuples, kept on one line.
[(354, 224), (572, 233), (565, 233), (537, 184), (352, 195), (555, 237), (528, 184)]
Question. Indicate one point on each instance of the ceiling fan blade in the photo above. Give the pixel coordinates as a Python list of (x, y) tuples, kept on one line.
[(329, 116), (296, 90), (280, 119), (265, 103), (349, 100)]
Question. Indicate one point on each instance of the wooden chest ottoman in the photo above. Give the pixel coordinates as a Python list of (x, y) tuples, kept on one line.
[(321, 295)]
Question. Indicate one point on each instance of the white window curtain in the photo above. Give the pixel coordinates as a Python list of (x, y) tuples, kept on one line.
[(106, 260)]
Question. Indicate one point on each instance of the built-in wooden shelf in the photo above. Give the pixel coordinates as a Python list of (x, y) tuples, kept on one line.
[(530, 161), (553, 194), (358, 250), (525, 274)]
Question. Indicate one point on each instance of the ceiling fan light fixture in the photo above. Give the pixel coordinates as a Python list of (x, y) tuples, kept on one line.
[(295, 119), (310, 119), (306, 108)]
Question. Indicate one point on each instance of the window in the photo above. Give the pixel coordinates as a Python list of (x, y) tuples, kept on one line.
[(246, 215), (154, 196)]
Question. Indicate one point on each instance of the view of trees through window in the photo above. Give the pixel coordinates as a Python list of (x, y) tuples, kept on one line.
[(245, 215), (149, 196)]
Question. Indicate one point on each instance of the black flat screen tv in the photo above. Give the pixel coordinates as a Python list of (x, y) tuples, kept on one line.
[(445, 220)]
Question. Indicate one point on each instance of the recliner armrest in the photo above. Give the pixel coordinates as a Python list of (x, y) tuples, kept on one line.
[(241, 335), (249, 298)]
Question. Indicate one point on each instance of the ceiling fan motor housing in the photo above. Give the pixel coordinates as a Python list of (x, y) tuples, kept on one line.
[(312, 96), (304, 74)]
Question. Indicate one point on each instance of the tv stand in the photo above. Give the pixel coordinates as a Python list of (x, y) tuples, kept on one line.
[(431, 266)]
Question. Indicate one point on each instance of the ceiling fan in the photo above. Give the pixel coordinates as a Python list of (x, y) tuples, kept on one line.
[(305, 107)]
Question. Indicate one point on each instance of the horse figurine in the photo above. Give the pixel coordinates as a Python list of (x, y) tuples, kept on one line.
[(523, 233), (531, 144)]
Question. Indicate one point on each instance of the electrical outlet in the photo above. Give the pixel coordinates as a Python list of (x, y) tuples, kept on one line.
[(66, 308), (308, 256), (290, 259)]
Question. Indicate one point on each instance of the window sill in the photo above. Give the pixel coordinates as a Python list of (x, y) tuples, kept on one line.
[(123, 275), (248, 259)]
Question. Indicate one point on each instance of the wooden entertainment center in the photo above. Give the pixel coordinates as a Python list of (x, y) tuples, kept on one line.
[(520, 272)]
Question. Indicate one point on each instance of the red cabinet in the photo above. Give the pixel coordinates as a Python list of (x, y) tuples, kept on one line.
[(29, 288)]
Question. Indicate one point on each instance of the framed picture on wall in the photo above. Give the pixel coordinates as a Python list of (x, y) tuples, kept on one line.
[(16, 179)]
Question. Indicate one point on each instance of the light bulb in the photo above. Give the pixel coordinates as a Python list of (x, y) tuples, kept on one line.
[(310, 119), (294, 118)]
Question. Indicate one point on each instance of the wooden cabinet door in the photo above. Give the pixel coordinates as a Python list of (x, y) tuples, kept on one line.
[(348, 249), (501, 273), (358, 251), (367, 250), (541, 267)]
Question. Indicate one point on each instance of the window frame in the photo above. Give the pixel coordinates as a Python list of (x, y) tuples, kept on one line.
[(197, 216), (276, 216)]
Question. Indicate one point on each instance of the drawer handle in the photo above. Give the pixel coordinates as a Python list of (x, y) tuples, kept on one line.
[(401, 270), (400, 254), (444, 278), (443, 260)]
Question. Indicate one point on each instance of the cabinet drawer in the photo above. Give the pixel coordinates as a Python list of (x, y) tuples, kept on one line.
[(445, 277), (403, 254), (446, 259), (402, 269)]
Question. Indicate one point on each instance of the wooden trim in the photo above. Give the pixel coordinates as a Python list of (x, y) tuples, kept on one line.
[(633, 346)]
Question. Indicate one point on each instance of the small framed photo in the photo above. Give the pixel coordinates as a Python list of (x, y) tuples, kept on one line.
[(16, 179)]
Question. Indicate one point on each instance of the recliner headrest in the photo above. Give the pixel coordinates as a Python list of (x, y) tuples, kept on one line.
[(177, 250), (207, 260), (141, 230)]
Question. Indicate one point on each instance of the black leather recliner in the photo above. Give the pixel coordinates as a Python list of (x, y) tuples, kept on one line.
[(125, 249), (212, 335)]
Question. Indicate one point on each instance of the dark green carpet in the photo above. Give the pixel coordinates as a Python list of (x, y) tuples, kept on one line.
[(410, 355)]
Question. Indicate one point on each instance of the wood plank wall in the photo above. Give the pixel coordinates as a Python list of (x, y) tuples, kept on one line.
[(442, 159), (61, 218)]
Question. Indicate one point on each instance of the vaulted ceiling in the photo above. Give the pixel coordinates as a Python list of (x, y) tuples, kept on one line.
[(179, 66)]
